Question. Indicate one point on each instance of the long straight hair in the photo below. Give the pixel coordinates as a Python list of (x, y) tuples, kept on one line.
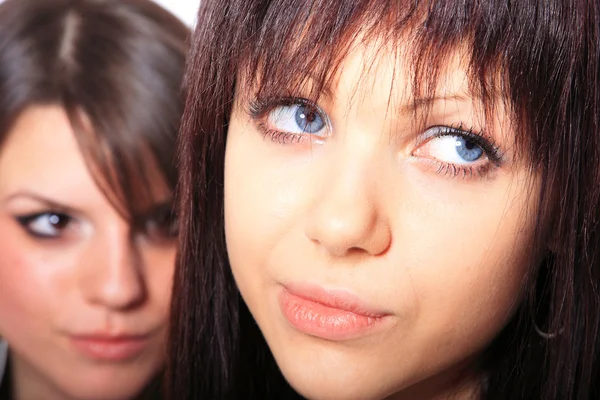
[(541, 56)]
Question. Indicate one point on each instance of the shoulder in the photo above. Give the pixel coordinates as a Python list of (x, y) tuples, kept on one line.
[(3, 359)]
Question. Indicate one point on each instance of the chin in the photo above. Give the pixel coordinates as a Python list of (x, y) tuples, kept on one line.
[(125, 388), (106, 393), (340, 389), (334, 376)]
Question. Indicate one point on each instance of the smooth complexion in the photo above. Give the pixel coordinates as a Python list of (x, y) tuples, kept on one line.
[(379, 250), (84, 297)]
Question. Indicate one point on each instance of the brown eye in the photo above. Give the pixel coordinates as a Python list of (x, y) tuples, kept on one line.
[(161, 226), (45, 225)]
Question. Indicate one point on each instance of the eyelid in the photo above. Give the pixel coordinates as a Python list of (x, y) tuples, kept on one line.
[(259, 108), (448, 130), (486, 142), (163, 215), (26, 220), (158, 210), (35, 215)]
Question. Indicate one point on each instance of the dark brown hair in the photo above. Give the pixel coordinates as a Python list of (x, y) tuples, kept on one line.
[(541, 56), (116, 68)]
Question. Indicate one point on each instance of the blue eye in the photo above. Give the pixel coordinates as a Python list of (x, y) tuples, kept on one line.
[(466, 149), (308, 120), (456, 147), (298, 119)]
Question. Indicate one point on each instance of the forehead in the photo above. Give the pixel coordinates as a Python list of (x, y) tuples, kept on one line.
[(377, 69), (40, 152)]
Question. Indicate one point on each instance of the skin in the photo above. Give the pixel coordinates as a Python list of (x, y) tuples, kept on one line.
[(373, 209), (98, 277)]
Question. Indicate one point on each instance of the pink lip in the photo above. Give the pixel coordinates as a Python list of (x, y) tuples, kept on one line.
[(102, 347), (333, 315)]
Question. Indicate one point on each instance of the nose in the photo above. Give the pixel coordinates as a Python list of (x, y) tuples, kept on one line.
[(346, 216), (111, 273)]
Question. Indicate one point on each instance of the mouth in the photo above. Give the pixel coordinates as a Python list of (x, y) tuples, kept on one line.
[(111, 348), (332, 315)]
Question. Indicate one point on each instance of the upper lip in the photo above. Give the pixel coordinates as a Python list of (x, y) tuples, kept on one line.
[(335, 298)]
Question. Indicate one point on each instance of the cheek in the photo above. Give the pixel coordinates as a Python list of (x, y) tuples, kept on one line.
[(29, 285), (159, 269), (467, 256), (474, 281), (264, 198)]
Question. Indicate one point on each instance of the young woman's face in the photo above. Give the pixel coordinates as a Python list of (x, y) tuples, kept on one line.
[(84, 296), (379, 252)]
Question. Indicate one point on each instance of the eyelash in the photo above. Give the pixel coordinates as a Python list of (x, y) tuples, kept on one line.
[(163, 220), (26, 220), (259, 109), (491, 150), (160, 218)]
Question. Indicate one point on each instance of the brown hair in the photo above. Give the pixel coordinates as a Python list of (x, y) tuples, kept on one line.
[(116, 68), (545, 55)]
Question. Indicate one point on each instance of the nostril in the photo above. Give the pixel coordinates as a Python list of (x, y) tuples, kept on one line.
[(351, 236), (114, 281)]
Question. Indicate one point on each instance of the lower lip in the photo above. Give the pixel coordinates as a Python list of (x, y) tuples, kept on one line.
[(110, 349), (320, 320)]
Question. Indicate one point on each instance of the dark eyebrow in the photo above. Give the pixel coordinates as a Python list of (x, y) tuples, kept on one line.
[(50, 203), (164, 206)]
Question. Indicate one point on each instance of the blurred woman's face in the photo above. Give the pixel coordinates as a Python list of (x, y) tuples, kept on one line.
[(379, 247), (84, 296)]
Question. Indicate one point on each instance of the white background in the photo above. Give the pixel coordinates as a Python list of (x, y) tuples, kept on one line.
[(185, 9)]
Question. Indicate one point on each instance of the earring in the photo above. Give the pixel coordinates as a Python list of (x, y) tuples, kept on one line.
[(546, 335)]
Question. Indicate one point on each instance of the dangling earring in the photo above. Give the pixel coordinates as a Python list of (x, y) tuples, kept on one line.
[(541, 296), (544, 335)]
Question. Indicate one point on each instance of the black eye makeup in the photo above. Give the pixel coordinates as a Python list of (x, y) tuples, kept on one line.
[(160, 224), (45, 225)]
